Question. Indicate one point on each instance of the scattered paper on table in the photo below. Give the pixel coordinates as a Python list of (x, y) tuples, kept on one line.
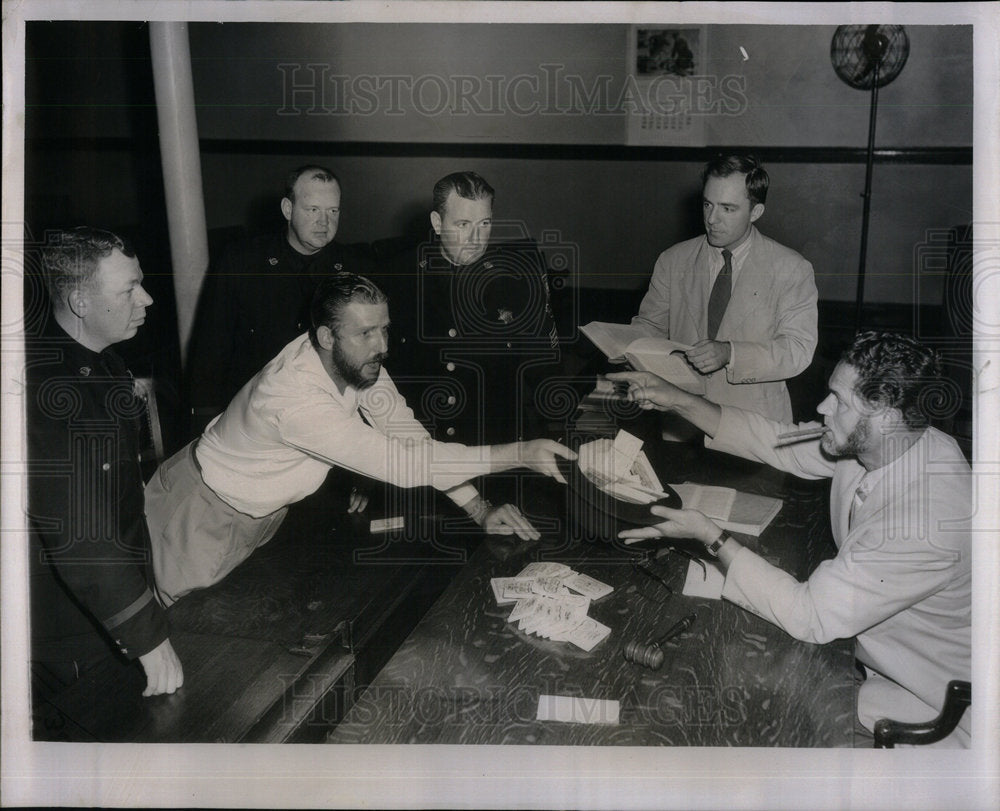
[(588, 633), (380, 525), (588, 586), (704, 584), (545, 568), (545, 605), (578, 710)]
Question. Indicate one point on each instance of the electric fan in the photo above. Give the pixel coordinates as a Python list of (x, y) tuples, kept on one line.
[(868, 57)]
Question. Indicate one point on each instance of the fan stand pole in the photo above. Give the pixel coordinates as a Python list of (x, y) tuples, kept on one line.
[(867, 196)]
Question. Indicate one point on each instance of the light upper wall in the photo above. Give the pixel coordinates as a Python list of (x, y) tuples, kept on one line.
[(543, 84)]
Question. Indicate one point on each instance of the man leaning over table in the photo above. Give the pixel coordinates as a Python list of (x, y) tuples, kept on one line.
[(745, 303), (899, 506), (325, 400)]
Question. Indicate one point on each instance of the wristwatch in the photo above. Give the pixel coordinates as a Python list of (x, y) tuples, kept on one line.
[(714, 547), (484, 507)]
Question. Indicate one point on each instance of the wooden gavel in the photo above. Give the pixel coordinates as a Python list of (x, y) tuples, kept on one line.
[(651, 655)]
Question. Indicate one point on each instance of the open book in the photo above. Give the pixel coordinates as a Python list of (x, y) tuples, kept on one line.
[(731, 509), (646, 353)]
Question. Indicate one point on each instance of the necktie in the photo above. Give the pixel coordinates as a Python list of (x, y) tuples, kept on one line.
[(718, 300)]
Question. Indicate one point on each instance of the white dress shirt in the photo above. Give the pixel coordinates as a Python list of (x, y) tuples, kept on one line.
[(277, 440)]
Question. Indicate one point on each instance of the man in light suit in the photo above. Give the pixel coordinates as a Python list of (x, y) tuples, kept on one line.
[(900, 505), (745, 303)]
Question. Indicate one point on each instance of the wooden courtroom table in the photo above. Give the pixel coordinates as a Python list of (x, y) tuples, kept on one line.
[(466, 676), (273, 652)]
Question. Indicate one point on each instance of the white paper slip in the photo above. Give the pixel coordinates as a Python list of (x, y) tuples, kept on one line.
[(517, 588), (544, 568), (578, 710), (496, 583), (627, 447), (379, 525), (588, 586), (644, 470), (508, 590), (588, 634), (704, 584), (522, 609), (549, 586)]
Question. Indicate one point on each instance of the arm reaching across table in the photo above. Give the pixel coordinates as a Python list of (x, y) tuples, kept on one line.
[(652, 392)]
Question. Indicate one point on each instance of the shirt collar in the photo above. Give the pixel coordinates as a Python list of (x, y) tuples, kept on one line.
[(903, 461), (75, 355), (441, 261), (740, 251)]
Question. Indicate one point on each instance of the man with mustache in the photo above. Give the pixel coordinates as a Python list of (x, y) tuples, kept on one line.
[(746, 304), (256, 298), (324, 401), (900, 505)]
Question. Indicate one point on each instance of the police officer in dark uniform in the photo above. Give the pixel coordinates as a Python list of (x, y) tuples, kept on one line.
[(473, 336), (90, 594), (256, 299)]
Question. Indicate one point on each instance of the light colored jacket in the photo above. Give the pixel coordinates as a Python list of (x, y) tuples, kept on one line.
[(901, 581), (770, 320)]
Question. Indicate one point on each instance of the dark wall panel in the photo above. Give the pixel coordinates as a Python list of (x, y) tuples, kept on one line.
[(618, 215)]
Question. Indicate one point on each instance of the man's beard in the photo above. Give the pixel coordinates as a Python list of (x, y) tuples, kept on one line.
[(354, 373), (856, 442)]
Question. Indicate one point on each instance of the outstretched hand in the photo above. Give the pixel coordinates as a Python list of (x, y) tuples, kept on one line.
[(542, 456), (650, 391), (679, 524)]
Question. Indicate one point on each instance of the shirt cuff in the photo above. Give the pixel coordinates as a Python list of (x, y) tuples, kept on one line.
[(129, 611), (462, 494)]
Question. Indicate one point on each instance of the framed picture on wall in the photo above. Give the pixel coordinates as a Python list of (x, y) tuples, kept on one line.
[(664, 65)]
